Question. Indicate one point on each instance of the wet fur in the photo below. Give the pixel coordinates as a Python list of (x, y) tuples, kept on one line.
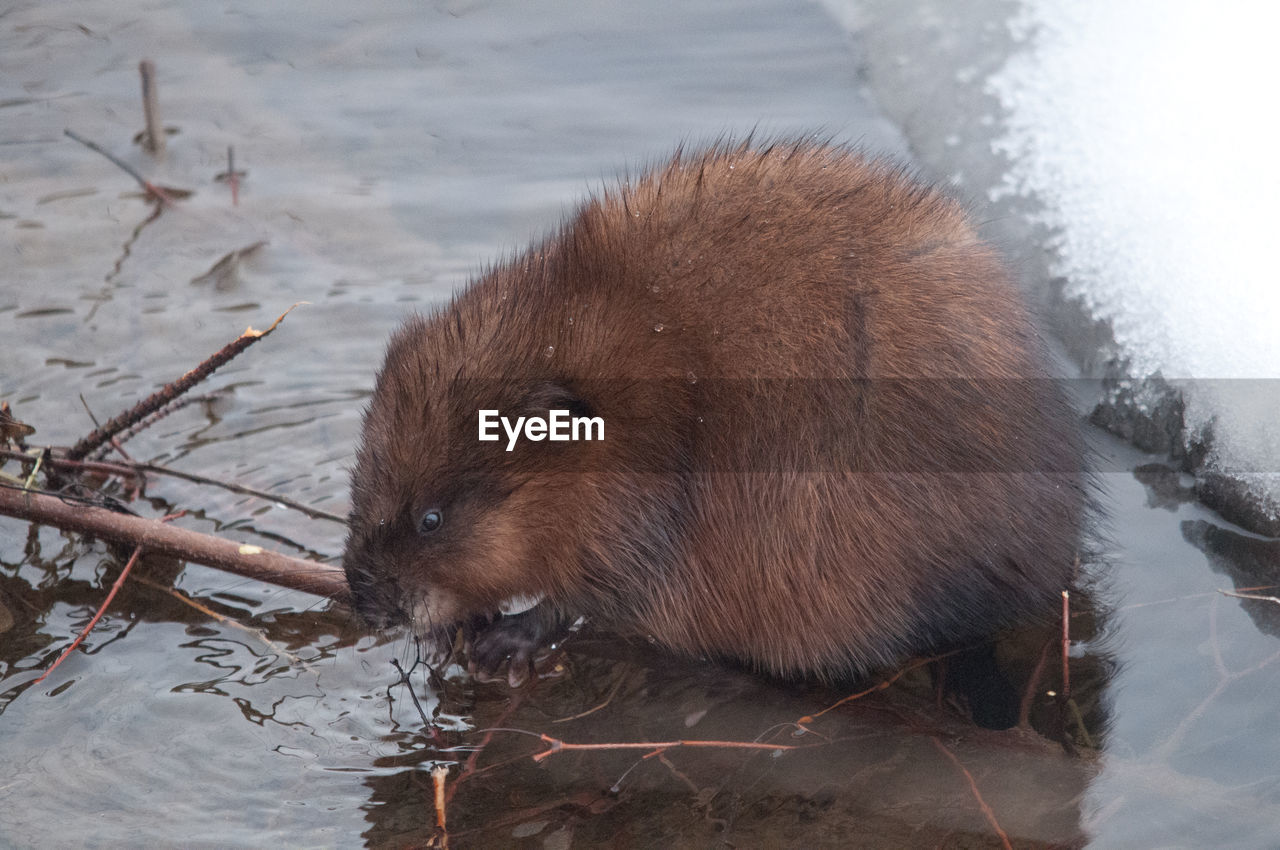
[(830, 442)]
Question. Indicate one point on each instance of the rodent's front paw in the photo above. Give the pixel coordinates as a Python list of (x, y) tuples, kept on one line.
[(513, 639)]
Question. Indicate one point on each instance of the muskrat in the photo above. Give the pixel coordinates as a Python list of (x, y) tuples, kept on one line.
[(830, 439)]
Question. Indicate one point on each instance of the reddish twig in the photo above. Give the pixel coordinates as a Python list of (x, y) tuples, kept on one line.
[(920, 662), (973, 789), (84, 633), (469, 766), (170, 391), (1225, 678), (555, 745), (229, 623), (231, 176)]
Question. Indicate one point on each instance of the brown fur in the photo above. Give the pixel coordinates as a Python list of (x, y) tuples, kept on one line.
[(829, 442)]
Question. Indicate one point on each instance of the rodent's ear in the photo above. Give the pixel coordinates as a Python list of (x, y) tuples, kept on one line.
[(553, 395)]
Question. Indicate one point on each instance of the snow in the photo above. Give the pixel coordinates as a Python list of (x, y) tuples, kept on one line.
[(1147, 129)]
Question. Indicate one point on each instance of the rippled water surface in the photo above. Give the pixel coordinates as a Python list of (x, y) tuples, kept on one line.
[(390, 150)]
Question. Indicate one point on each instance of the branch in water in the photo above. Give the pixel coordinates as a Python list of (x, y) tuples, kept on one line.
[(134, 469), (170, 391), (166, 196), (155, 536)]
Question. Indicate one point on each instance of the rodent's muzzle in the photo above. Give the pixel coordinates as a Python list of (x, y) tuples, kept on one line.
[(375, 600)]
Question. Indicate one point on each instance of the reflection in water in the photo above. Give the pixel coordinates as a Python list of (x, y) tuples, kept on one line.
[(875, 772), (1252, 564)]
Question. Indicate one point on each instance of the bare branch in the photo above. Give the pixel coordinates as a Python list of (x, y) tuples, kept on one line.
[(170, 391), (242, 559)]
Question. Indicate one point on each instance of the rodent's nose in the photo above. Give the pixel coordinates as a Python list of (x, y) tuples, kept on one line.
[(374, 601), (375, 617)]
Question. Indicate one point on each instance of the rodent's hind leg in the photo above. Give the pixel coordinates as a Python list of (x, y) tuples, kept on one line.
[(515, 639)]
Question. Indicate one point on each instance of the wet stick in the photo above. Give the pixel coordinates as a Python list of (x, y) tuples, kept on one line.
[(986, 809), (131, 469), (655, 748), (161, 538), (231, 176), (154, 402), (153, 134), (1033, 683), (166, 196), (84, 633), (441, 838), (167, 410), (1066, 645), (1253, 596)]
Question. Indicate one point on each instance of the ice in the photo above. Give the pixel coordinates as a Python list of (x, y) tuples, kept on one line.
[(1148, 130)]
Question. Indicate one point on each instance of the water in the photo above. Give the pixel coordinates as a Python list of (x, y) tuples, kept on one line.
[(391, 152)]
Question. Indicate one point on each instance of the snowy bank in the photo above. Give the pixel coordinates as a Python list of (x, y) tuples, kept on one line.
[(1125, 152)]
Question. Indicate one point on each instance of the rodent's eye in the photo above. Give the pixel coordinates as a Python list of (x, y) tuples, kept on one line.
[(430, 521)]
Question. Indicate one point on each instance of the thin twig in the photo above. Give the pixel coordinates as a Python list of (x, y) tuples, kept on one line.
[(119, 582), (613, 692), (880, 687), (555, 745), (1275, 599), (314, 513), (168, 410), (438, 774), (240, 558), (1084, 730), (170, 391), (35, 468), (233, 176), (678, 774), (134, 468), (469, 768), (407, 683), (1066, 645), (1225, 678), (149, 187), (153, 135), (973, 789)]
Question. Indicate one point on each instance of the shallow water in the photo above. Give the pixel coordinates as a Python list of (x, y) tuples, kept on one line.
[(390, 153)]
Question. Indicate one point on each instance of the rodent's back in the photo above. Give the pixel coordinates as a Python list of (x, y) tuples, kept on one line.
[(885, 464)]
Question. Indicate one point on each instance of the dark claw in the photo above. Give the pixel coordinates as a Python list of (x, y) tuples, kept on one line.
[(513, 640)]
